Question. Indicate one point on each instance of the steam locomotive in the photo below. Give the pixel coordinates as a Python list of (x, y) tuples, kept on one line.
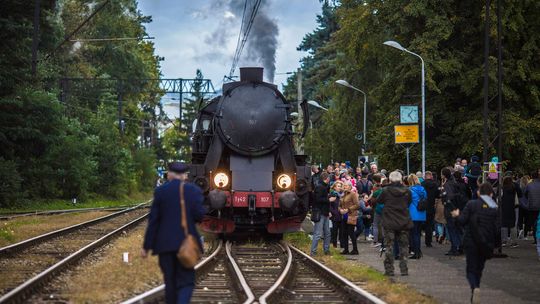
[(244, 160)]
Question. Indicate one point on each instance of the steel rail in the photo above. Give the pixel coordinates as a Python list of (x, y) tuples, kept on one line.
[(22, 291), (9, 216), (281, 279), (155, 293), (49, 235), (240, 275), (334, 275)]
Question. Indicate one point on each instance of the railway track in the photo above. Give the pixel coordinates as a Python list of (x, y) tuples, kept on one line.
[(266, 273), (10, 216), (27, 265)]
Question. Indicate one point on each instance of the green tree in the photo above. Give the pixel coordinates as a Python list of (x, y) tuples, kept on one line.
[(448, 36)]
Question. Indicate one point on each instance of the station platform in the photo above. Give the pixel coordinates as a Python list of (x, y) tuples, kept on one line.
[(515, 279)]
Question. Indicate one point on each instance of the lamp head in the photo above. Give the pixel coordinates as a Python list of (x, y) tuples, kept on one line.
[(343, 83), (394, 44), (316, 105)]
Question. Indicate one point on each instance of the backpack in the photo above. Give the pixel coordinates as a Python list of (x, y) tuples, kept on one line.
[(422, 204), (483, 227), (460, 198), (475, 170), (364, 188)]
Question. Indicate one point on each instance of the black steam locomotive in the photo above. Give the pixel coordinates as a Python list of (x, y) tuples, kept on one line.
[(244, 160)]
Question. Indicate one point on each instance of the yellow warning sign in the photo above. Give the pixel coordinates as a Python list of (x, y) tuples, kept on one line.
[(407, 134), (492, 167)]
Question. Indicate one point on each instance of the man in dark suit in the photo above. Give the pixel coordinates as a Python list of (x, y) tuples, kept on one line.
[(164, 233)]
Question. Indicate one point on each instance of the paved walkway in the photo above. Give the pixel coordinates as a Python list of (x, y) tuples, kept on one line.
[(515, 279)]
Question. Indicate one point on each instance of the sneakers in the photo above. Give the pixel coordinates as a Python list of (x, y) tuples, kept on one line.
[(369, 238), (520, 234), (515, 245), (475, 297), (375, 245)]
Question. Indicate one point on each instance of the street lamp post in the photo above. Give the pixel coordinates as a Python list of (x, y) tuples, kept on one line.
[(398, 46), (346, 84)]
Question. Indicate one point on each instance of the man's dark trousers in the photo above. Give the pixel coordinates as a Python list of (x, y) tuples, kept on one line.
[(455, 235), (179, 281), (475, 266), (428, 228)]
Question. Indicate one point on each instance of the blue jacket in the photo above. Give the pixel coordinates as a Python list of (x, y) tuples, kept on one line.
[(417, 192), (164, 232), (538, 229)]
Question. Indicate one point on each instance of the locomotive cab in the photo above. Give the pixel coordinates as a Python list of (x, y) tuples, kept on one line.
[(244, 160)]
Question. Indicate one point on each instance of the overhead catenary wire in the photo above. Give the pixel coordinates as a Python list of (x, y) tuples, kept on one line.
[(245, 30)]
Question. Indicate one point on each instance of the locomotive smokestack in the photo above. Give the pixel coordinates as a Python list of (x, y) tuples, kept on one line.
[(251, 74)]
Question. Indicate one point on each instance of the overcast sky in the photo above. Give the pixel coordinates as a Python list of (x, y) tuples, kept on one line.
[(203, 34)]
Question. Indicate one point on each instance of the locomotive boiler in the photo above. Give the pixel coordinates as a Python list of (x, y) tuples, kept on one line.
[(243, 158)]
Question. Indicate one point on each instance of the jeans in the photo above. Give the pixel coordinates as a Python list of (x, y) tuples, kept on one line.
[(321, 229), (475, 266), (179, 281), (533, 215), (505, 232), (454, 233), (441, 230), (335, 233), (377, 231), (359, 227), (416, 232)]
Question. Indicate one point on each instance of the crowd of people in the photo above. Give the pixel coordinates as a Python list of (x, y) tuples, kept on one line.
[(392, 211)]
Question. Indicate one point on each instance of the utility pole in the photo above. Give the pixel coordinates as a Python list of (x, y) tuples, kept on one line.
[(499, 84), (180, 108), (300, 149), (486, 85), (35, 37), (120, 121)]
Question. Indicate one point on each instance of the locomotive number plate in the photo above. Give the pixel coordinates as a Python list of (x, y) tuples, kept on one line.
[(264, 199)]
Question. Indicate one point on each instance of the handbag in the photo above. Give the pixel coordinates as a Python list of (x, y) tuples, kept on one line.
[(189, 253), (422, 205), (315, 215), (352, 219)]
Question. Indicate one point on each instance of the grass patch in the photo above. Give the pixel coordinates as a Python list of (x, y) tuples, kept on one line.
[(44, 205), (107, 279), (22, 228), (362, 275)]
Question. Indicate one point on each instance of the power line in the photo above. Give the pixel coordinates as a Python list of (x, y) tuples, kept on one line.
[(109, 39), (240, 47), (68, 37)]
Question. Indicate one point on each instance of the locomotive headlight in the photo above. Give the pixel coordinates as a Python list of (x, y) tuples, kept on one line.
[(221, 180), (284, 181)]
